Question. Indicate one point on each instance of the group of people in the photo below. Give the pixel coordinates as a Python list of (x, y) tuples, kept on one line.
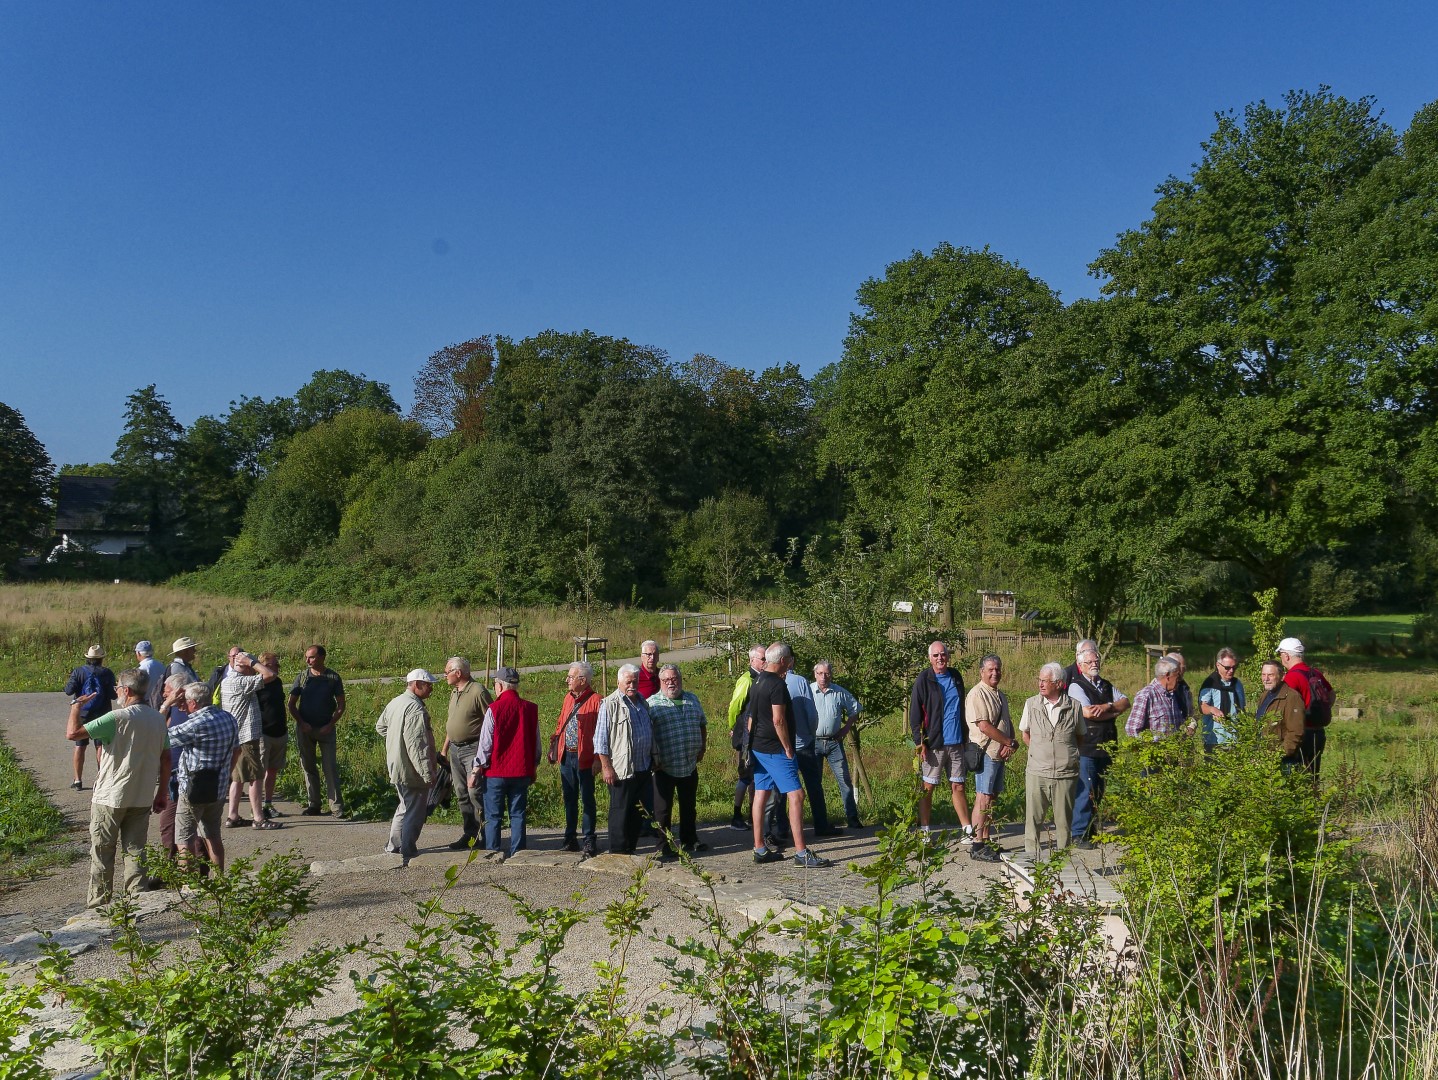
[(1071, 725), (190, 750)]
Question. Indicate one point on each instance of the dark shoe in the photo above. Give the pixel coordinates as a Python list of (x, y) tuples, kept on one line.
[(832, 830), (668, 856), (268, 811), (807, 858), (266, 826), (773, 842), (698, 846), (768, 855), (588, 852), (736, 822), (236, 822), (76, 785), (341, 813), (149, 884), (310, 811), (571, 844), (464, 843), (984, 853), (856, 824)]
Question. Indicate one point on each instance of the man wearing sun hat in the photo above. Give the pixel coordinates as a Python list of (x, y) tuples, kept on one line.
[(409, 754), (184, 650), (90, 678)]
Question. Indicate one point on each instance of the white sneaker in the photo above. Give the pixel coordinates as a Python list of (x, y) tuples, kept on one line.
[(968, 840)]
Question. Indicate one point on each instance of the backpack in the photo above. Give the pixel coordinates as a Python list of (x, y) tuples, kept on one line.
[(1320, 700)]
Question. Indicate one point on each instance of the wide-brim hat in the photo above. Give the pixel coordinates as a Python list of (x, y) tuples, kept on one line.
[(94, 652), (181, 644)]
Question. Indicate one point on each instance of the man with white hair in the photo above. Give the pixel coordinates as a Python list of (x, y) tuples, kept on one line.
[(648, 684), (1052, 725), (771, 713), (409, 755), (623, 743), (681, 734), (154, 671), (1102, 703), (468, 702), (1154, 708), (508, 759), (572, 749), (134, 773), (239, 696), (209, 743), (739, 733), (939, 730), (1316, 693)]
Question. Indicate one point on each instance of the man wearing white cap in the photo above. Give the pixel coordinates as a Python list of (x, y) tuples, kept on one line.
[(154, 671), (1317, 695), (409, 753), (96, 683)]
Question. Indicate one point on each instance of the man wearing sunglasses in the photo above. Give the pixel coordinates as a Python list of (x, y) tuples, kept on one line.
[(1220, 697)]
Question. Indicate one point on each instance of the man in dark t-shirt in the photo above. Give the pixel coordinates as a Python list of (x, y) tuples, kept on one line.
[(317, 701), (771, 711)]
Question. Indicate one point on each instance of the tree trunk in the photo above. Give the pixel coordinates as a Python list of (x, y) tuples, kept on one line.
[(861, 775)]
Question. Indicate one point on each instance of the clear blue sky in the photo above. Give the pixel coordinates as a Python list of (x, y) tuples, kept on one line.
[(223, 198)]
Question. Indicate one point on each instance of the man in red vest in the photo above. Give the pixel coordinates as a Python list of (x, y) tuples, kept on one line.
[(507, 758)]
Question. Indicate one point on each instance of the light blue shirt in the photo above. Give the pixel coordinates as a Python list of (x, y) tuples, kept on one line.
[(806, 718), (953, 735), (834, 706)]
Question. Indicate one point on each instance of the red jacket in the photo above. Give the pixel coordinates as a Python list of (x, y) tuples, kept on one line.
[(516, 738), (588, 718), (1297, 677)]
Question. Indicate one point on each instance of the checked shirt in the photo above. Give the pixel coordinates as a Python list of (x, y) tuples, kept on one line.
[(208, 740), (679, 725)]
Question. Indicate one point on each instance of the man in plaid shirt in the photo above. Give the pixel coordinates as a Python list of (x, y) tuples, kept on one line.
[(209, 744), (1155, 709), (680, 738)]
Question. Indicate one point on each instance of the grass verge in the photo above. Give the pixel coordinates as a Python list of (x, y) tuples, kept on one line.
[(31, 829)]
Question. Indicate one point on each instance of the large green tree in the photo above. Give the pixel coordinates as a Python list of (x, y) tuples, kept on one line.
[(26, 473)]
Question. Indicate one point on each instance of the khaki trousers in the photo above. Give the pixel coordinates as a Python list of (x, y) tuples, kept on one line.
[(1042, 794), (111, 826)]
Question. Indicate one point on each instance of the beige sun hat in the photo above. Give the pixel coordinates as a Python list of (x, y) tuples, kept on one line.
[(94, 652), (181, 644)]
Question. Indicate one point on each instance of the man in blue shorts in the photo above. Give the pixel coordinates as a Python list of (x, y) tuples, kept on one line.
[(936, 724), (771, 713)]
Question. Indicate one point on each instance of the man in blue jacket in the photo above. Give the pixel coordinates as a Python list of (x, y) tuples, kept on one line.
[(936, 724)]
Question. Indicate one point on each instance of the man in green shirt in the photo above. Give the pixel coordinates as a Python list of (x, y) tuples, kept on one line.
[(134, 780)]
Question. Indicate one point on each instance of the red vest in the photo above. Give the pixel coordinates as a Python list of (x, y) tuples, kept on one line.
[(516, 734)]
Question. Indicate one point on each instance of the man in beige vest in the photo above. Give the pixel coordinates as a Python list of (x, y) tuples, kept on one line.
[(1052, 724), (134, 779)]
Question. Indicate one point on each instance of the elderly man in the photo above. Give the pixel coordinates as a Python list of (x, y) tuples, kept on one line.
[(239, 696), (133, 778), (209, 743), (409, 755), (936, 724), (991, 728), (1052, 725), (154, 672), (316, 702), (1281, 709), (96, 684), (507, 759), (681, 735), (771, 719), (1313, 687), (1182, 692), (739, 733), (172, 708), (468, 702), (838, 710), (623, 743), (224, 671), (1220, 698), (1154, 709), (806, 757), (1087, 645), (648, 684), (572, 749), (1102, 705), (182, 658)]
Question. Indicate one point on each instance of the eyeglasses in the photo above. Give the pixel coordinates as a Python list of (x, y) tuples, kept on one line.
[(1226, 667)]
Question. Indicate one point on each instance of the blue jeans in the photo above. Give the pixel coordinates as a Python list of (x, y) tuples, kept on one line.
[(497, 791), (832, 751), (1089, 795), (577, 786)]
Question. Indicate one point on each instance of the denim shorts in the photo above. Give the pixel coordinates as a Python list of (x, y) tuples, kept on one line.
[(990, 779)]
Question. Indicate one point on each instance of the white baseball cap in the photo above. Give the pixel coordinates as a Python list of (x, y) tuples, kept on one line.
[(420, 675), (1290, 645)]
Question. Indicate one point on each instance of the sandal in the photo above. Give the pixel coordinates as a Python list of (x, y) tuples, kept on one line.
[(236, 822), (265, 826)]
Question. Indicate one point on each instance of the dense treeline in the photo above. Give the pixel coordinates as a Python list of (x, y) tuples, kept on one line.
[(1248, 404)]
